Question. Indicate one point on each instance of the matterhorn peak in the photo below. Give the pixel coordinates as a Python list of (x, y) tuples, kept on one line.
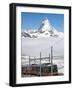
[(46, 21), (45, 25), (46, 29)]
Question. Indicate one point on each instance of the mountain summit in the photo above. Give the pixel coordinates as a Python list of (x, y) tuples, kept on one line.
[(46, 29), (45, 25)]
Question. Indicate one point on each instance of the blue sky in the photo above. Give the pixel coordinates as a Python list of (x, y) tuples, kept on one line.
[(33, 20)]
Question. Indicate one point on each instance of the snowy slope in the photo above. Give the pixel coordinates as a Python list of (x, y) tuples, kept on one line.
[(46, 29)]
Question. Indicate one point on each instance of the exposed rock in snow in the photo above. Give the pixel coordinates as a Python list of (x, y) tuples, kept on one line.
[(46, 29)]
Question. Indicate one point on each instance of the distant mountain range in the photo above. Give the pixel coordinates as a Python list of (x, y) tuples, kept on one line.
[(46, 29)]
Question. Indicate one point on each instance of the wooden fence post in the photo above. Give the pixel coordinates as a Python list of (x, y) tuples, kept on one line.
[(29, 64), (34, 60), (51, 60), (49, 57), (40, 63)]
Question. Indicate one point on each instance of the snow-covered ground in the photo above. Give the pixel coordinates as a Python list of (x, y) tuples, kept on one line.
[(33, 46)]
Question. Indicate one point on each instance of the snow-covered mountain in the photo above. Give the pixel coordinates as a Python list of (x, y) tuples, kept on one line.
[(46, 29), (35, 43)]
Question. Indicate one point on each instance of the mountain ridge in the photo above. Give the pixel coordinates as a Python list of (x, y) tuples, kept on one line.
[(46, 29)]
